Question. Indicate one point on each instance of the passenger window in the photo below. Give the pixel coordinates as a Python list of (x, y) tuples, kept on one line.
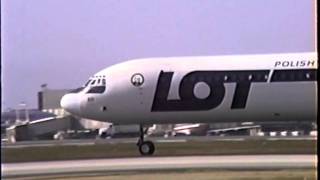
[(283, 76), (307, 75), (226, 78), (292, 76), (208, 79), (242, 77), (233, 77), (216, 78)]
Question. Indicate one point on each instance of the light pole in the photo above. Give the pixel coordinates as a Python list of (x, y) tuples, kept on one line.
[(17, 116), (22, 104)]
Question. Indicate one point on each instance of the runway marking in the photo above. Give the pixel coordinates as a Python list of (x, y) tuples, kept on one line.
[(234, 139), (291, 138), (159, 163), (172, 141)]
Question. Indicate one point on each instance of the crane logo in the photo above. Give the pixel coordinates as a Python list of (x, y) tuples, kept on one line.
[(137, 79)]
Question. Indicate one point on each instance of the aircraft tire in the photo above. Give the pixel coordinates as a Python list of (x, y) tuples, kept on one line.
[(146, 148)]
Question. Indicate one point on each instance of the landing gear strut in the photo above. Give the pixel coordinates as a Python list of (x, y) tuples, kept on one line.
[(145, 147)]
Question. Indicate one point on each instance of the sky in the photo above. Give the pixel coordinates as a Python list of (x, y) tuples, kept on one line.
[(62, 43)]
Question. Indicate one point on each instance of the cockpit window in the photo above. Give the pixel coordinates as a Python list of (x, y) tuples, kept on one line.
[(97, 89), (87, 83), (97, 85), (77, 90)]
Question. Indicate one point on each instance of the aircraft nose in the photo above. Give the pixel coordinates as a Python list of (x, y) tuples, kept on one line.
[(71, 103)]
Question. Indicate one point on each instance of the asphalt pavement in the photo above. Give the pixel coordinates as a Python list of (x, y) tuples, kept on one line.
[(237, 162)]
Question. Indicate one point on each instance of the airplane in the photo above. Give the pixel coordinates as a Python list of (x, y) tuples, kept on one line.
[(226, 88)]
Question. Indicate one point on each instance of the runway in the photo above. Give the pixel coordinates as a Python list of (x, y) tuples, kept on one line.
[(248, 162)]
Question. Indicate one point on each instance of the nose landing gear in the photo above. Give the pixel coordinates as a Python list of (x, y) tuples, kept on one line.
[(145, 147)]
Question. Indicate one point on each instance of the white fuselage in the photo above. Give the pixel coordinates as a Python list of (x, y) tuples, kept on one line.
[(275, 87)]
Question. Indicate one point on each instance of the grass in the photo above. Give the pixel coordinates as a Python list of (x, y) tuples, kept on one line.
[(61, 152)]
